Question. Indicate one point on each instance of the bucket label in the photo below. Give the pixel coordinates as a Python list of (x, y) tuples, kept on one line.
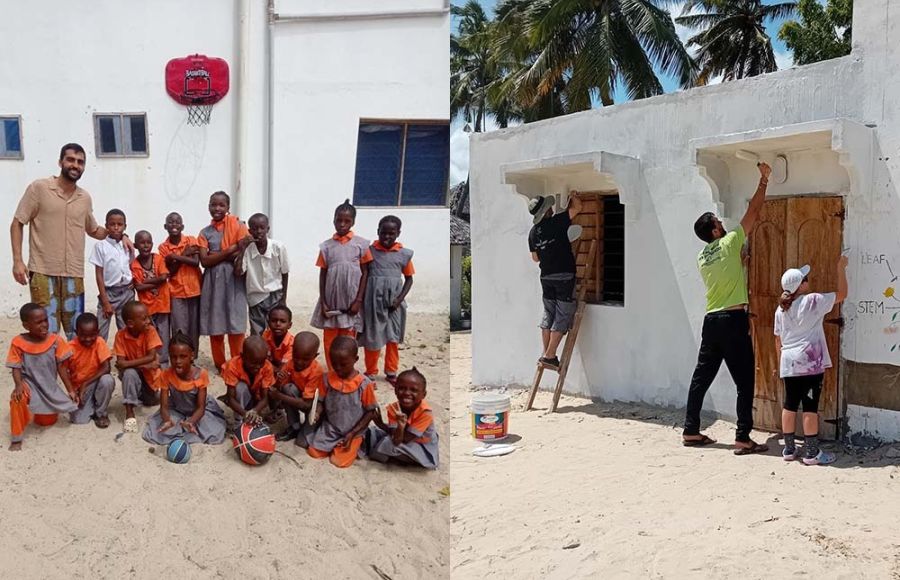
[(489, 425)]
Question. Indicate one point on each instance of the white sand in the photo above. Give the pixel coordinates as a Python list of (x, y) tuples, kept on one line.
[(613, 483), (76, 504)]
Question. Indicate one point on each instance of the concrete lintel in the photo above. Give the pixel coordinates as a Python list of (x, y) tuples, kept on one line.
[(558, 175)]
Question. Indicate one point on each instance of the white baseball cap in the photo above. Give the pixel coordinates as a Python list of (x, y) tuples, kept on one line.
[(792, 278)]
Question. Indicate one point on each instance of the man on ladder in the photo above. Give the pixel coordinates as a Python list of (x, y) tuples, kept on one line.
[(549, 244)]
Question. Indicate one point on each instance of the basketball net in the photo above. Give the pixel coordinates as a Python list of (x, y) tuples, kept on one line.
[(199, 114)]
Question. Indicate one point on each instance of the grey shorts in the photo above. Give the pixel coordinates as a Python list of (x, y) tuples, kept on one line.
[(559, 304)]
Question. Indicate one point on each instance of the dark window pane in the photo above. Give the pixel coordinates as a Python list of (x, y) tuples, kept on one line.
[(378, 152), (613, 253), (107, 134), (426, 165), (138, 134), (11, 134)]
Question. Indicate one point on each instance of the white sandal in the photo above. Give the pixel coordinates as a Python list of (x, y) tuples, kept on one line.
[(130, 425)]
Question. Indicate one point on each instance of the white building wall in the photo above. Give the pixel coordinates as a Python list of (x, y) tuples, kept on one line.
[(646, 350), (329, 74), (73, 62)]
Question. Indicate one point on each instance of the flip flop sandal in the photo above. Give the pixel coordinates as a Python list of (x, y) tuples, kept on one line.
[(697, 442), (755, 448), (130, 425)]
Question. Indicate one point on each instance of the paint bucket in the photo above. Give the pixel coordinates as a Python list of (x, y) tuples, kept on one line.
[(490, 416)]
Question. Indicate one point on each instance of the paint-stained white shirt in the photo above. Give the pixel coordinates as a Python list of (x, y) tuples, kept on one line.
[(804, 350), (263, 271), (115, 261)]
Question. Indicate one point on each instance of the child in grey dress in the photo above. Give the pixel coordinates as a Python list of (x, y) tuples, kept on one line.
[(409, 435)]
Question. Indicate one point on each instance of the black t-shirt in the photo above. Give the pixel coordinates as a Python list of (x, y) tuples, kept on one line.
[(550, 239)]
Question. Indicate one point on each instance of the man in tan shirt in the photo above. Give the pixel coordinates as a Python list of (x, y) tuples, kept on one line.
[(58, 214)]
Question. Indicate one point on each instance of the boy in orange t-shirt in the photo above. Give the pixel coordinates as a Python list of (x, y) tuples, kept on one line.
[(249, 376), (151, 277), (298, 382), (182, 256), (89, 372), (137, 359)]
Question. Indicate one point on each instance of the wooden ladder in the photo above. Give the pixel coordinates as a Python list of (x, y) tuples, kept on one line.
[(571, 337)]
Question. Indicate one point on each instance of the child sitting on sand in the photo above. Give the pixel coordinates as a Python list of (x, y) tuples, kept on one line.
[(249, 376), (36, 359), (137, 359), (350, 405), (185, 409), (409, 435), (89, 372), (298, 381)]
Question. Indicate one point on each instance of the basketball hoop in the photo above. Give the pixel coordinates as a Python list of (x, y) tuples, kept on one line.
[(198, 82)]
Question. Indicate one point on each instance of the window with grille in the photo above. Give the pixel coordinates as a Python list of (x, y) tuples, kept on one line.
[(11, 137), (402, 163), (120, 135), (603, 219)]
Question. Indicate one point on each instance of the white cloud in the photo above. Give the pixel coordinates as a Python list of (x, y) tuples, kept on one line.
[(784, 59), (459, 149)]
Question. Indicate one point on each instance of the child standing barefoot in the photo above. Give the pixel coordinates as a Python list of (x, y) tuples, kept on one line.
[(36, 359), (185, 409), (350, 405), (344, 265), (800, 340), (390, 278), (223, 301), (409, 435), (151, 282)]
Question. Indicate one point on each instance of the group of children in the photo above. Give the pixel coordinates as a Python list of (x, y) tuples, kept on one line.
[(362, 291)]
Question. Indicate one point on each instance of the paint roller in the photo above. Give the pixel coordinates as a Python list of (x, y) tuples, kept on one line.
[(747, 155)]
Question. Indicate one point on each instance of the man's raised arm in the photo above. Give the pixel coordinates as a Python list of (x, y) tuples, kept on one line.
[(758, 199)]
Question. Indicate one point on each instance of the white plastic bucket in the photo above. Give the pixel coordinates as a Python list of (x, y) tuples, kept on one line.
[(490, 416)]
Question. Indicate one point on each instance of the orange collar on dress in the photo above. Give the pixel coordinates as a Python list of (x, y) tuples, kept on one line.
[(169, 378), (395, 248), (345, 385), (35, 347), (343, 239)]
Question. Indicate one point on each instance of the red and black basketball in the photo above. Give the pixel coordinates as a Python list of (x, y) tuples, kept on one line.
[(254, 445)]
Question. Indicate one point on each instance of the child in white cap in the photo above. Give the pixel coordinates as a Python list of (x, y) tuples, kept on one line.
[(800, 339)]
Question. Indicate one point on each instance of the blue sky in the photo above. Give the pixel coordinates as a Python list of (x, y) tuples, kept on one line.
[(459, 150)]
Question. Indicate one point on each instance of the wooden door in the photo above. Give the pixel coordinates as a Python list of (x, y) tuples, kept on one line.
[(793, 232)]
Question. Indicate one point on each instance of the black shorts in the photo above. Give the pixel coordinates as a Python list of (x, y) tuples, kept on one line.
[(803, 391), (559, 304)]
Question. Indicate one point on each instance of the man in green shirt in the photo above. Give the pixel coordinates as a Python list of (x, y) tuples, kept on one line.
[(726, 326)]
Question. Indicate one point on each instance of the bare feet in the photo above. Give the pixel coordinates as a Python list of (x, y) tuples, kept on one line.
[(15, 446), (102, 422)]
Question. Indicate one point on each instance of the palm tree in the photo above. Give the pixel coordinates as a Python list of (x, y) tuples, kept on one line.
[(571, 51), (732, 41), (470, 72)]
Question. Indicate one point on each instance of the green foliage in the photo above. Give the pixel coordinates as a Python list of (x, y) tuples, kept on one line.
[(466, 301), (823, 32)]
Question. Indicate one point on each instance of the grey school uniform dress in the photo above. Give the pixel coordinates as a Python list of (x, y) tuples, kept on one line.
[(39, 371), (342, 282), (342, 412), (380, 326), (380, 446), (182, 404), (223, 299)]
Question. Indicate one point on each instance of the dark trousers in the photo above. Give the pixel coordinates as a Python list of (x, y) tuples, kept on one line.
[(726, 336)]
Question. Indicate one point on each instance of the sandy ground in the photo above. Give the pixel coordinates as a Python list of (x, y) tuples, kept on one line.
[(76, 504), (607, 491)]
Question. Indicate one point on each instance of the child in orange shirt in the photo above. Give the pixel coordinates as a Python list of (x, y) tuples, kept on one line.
[(298, 381), (350, 405), (89, 372), (277, 337), (409, 435), (249, 376), (151, 277), (223, 299), (344, 268), (36, 359), (137, 359), (182, 256)]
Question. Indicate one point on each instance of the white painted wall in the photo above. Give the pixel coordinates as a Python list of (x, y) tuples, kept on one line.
[(329, 74), (71, 63), (646, 350)]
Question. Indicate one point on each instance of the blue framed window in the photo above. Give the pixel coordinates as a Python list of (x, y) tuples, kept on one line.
[(11, 138), (121, 135), (402, 163)]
